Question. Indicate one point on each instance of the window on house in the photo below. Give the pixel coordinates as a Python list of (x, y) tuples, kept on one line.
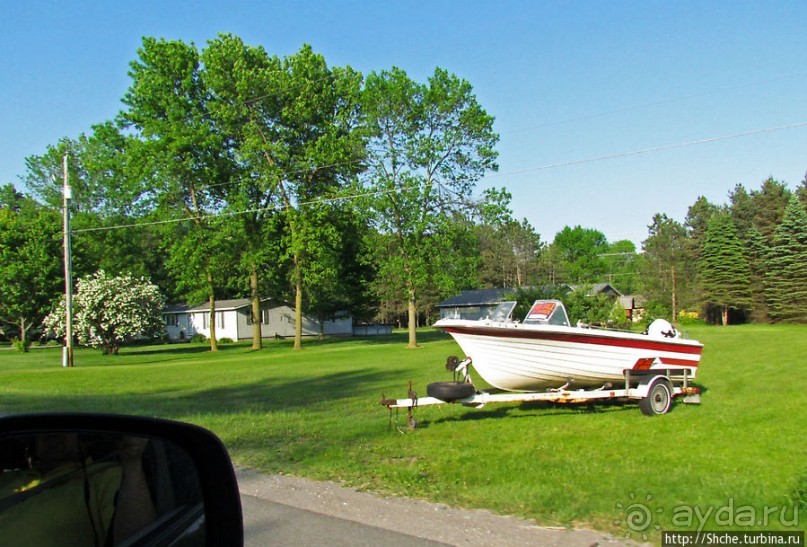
[(264, 317)]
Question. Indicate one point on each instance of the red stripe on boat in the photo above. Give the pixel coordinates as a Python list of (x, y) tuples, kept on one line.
[(601, 340)]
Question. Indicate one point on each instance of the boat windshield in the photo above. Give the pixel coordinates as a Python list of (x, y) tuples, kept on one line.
[(547, 312), (502, 312)]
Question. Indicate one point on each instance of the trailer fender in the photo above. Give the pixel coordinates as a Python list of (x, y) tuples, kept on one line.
[(645, 384)]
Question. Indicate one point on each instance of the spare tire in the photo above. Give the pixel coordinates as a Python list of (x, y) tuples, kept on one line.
[(450, 391)]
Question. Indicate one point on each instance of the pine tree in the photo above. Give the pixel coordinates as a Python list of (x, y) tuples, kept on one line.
[(756, 252), (786, 278), (725, 273)]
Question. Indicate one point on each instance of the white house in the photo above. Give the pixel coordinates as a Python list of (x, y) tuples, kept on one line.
[(234, 321)]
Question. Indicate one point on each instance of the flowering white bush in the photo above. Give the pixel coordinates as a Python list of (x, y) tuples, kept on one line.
[(108, 310)]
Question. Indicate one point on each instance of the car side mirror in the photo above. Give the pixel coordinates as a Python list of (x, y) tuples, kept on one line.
[(98, 480)]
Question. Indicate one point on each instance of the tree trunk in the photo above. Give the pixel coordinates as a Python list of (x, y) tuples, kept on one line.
[(725, 316), (413, 317), (257, 341), (298, 305), (214, 344), (23, 331)]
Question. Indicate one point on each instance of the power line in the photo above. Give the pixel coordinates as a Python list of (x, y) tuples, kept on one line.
[(274, 207), (651, 150)]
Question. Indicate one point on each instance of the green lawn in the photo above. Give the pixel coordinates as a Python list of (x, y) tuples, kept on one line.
[(316, 413)]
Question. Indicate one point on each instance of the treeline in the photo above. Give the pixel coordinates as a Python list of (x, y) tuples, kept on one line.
[(234, 173), (745, 260), (740, 261)]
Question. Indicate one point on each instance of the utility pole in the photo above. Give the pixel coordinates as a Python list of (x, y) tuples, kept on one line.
[(67, 353), (674, 299)]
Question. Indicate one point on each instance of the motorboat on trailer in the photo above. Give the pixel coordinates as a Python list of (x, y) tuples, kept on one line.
[(544, 351), (545, 359)]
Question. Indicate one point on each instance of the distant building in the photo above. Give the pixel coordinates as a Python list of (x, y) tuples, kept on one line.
[(598, 288), (234, 321), (635, 306), (474, 304), (479, 303)]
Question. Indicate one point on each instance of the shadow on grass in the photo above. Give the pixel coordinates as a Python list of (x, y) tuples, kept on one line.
[(401, 337), (703, 389), (532, 409), (172, 349), (263, 396)]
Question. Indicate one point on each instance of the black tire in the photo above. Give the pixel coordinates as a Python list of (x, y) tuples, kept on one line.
[(450, 391), (659, 398)]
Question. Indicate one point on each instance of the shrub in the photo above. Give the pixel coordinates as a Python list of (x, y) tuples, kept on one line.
[(618, 317), (225, 340), (687, 317), (198, 338), (594, 309), (110, 310), (20, 345), (655, 310)]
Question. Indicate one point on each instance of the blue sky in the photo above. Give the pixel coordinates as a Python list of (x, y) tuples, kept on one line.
[(591, 98)]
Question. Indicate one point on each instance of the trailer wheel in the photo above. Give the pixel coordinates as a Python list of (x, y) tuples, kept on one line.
[(659, 398), (450, 391)]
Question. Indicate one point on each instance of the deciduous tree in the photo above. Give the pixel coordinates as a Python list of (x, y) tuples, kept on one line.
[(667, 265), (579, 250), (179, 151), (30, 266), (508, 249), (622, 263), (291, 124), (429, 144)]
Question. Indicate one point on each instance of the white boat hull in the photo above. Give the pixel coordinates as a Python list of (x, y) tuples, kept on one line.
[(518, 357)]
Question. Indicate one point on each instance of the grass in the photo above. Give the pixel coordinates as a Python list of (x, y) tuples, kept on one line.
[(316, 413)]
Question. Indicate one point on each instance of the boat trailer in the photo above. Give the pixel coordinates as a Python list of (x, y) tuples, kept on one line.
[(653, 386)]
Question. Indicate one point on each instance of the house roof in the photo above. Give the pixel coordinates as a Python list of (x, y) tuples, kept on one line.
[(605, 288), (176, 308), (633, 301), (485, 297), (598, 288), (479, 297), (221, 305)]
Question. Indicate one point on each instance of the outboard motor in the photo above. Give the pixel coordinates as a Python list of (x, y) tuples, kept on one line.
[(661, 328)]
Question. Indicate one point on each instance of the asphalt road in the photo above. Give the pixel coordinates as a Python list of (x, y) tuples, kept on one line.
[(281, 510), (270, 523)]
